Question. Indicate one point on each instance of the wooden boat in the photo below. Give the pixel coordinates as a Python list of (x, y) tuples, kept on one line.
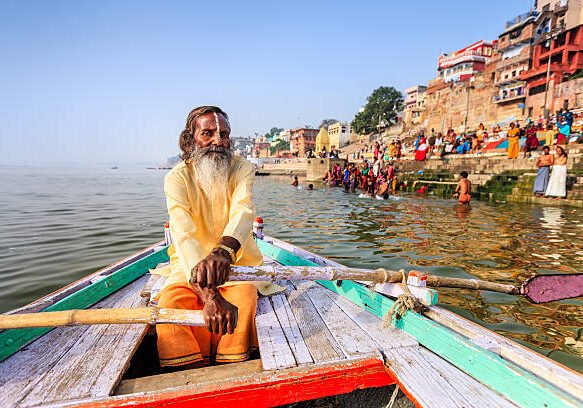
[(317, 340), (262, 173)]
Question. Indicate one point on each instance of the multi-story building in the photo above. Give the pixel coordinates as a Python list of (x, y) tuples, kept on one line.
[(303, 139), (339, 134), (414, 106), (557, 54), (515, 47), (465, 63)]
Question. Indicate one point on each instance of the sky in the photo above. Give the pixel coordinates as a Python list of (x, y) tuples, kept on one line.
[(113, 81)]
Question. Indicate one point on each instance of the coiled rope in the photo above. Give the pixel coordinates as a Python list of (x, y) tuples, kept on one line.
[(403, 303)]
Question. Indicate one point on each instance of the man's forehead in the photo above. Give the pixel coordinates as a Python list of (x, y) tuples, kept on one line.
[(208, 121)]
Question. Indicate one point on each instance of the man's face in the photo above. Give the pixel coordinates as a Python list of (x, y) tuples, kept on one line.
[(212, 129)]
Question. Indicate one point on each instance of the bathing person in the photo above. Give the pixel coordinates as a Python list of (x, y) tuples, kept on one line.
[(558, 182), (463, 189), (295, 183), (208, 195), (544, 163)]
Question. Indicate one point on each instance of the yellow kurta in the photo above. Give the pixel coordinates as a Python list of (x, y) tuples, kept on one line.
[(197, 224)]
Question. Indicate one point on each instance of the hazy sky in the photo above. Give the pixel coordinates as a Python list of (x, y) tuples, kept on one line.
[(112, 81)]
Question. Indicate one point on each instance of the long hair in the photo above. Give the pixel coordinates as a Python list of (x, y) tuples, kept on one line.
[(564, 152), (186, 138)]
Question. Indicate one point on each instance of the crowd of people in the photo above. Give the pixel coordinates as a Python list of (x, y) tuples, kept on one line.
[(374, 179), (557, 130)]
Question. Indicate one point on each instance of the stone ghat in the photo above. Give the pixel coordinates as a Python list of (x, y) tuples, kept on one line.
[(494, 178)]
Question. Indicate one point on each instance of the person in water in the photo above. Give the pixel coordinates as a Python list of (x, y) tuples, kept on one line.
[(310, 186), (463, 189), (295, 183), (209, 200)]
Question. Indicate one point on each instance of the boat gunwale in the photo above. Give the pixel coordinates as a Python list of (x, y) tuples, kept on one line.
[(511, 351)]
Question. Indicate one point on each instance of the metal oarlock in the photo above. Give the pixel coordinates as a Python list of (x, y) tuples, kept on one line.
[(258, 227)]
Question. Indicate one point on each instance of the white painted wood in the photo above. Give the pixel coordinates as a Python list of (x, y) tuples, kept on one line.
[(385, 337), (291, 329), (433, 382), (426, 296), (73, 362), (560, 376), (275, 351), (352, 339), (555, 373), (320, 342)]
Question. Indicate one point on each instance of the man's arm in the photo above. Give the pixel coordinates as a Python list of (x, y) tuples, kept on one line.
[(220, 316)]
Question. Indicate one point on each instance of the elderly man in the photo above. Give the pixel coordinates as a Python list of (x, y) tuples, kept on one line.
[(211, 214)]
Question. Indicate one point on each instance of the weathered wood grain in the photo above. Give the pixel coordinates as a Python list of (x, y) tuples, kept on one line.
[(385, 337), (350, 337), (275, 351), (559, 375), (55, 368), (433, 382), (291, 329), (320, 342), (198, 377)]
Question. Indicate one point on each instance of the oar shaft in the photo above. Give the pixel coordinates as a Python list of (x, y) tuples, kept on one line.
[(143, 315), (280, 272)]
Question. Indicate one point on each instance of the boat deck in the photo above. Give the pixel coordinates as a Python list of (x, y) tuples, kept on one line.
[(307, 333)]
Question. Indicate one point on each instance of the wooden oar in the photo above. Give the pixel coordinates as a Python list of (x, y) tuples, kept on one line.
[(537, 289), (142, 315)]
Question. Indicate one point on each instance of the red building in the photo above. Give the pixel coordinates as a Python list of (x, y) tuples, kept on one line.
[(303, 139), (558, 54), (463, 64)]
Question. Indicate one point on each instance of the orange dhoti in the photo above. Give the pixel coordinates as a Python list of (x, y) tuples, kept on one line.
[(182, 345)]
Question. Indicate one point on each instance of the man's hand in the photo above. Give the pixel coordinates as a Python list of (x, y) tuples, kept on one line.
[(220, 316), (213, 270)]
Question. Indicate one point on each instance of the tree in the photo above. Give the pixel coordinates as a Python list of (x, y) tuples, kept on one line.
[(278, 147), (381, 108), (274, 131), (327, 122)]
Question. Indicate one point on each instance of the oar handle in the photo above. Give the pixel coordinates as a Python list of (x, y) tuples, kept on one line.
[(142, 315)]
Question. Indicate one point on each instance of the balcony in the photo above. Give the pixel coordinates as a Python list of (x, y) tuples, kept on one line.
[(511, 96), (523, 57), (520, 19)]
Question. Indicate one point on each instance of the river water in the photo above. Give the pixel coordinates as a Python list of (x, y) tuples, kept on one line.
[(59, 224)]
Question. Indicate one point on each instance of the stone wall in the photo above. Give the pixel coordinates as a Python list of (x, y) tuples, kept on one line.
[(317, 168)]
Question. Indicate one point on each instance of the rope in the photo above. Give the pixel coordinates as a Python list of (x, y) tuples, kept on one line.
[(403, 303), (393, 397)]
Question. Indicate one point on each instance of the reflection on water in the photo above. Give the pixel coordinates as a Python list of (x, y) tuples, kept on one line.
[(61, 224), (503, 243)]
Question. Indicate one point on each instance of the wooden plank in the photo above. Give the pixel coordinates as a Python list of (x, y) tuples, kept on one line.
[(291, 329), (562, 377), (275, 352), (91, 365), (430, 381), (386, 337), (516, 384), (320, 342), (350, 337), (481, 364), (198, 377), (14, 339), (262, 389), (559, 375)]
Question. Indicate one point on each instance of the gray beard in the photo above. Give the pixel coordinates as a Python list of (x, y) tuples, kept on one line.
[(213, 165)]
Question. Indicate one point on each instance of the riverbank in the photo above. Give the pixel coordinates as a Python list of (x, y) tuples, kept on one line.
[(494, 177)]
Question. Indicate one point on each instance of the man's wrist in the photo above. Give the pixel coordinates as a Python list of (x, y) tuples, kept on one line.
[(221, 251)]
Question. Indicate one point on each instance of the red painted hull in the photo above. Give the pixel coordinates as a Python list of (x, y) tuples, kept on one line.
[(266, 389)]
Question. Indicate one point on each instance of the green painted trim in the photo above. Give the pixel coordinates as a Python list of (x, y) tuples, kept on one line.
[(506, 378), (13, 340)]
